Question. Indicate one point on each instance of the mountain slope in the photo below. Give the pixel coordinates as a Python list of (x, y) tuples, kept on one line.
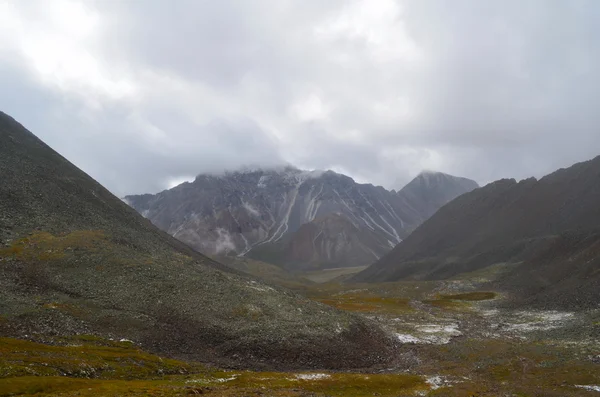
[(506, 221), (75, 260), (429, 191), (297, 219)]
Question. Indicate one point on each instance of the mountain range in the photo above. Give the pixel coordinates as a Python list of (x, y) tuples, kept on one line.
[(297, 219), (75, 259), (549, 229)]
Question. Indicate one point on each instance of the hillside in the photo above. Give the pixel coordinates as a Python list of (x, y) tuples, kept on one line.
[(550, 225), (75, 259), (300, 220)]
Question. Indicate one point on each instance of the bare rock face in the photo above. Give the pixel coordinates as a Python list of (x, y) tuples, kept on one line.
[(298, 219)]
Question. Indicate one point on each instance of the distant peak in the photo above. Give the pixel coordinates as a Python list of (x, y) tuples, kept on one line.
[(430, 173), (435, 179)]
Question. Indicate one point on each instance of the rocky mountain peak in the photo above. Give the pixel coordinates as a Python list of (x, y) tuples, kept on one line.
[(261, 213)]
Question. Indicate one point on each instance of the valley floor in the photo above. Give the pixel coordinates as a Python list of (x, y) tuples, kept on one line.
[(457, 341)]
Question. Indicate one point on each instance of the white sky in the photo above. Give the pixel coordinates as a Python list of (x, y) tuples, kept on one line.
[(145, 94)]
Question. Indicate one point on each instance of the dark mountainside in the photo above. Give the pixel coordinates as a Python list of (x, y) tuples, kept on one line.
[(75, 259), (552, 226), (300, 220)]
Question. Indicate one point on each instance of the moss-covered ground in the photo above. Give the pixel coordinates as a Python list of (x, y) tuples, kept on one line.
[(461, 344), (90, 366)]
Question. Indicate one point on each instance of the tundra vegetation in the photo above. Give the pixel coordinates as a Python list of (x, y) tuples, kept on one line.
[(458, 340)]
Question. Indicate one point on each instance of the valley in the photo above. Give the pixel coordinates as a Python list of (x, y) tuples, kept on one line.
[(458, 338), (389, 198), (493, 295)]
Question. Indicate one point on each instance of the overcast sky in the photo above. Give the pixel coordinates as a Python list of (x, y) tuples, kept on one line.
[(141, 94)]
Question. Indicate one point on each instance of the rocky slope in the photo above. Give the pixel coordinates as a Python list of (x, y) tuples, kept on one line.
[(294, 218), (550, 225), (74, 259)]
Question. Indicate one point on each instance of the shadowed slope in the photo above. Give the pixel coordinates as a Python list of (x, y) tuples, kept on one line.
[(507, 221)]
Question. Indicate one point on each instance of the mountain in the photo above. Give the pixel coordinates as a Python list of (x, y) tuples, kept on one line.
[(297, 219), (429, 191), (74, 259), (549, 227)]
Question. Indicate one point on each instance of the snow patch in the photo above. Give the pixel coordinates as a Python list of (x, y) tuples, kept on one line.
[(406, 338), (251, 210), (248, 246), (373, 252), (217, 380), (283, 226), (395, 235), (351, 212), (312, 376), (490, 313), (589, 387), (259, 287), (313, 205), (439, 334), (430, 334), (315, 239), (388, 207), (435, 382), (262, 181), (398, 239), (530, 321)]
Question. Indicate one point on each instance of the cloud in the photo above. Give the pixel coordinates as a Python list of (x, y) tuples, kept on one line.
[(143, 98)]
